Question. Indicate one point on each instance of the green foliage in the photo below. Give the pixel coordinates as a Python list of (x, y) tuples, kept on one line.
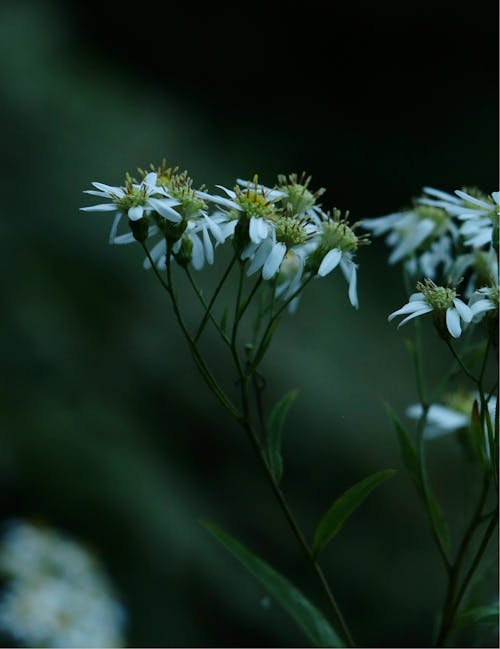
[(275, 427), (305, 614), (343, 507)]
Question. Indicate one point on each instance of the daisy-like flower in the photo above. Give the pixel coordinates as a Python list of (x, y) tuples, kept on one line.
[(132, 200), (451, 416), (484, 300), (478, 212), (447, 309), (264, 231), (55, 592), (335, 243), (426, 231)]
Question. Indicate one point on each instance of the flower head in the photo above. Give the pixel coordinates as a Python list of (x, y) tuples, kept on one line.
[(420, 236), (335, 243), (56, 593), (447, 309), (450, 416)]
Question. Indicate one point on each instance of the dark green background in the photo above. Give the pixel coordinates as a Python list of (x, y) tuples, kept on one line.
[(107, 430)]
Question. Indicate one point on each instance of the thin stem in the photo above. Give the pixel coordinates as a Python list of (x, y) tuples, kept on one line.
[(200, 363), (208, 313), (453, 595), (206, 307), (299, 535), (271, 324), (424, 483), (460, 362)]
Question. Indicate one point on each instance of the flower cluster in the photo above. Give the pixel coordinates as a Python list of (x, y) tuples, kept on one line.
[(281, 232), (452, 238), (56, 594)]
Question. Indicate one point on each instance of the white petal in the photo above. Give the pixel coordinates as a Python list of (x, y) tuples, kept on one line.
[(496, 197), (353, 292), (453, 322), (214, 228), (260, 256), (412, 240), (207, 246), (258, 229), (109, 189), (410, 307), (164, 209), (105, 207), (463, 310), (136, 213), (414, 315), (156, 252), (114, 227), (329, 262), (198, 258), (274, 260), (123, 239), (472, 199), (150, 179), (481, 306), (440, 194)]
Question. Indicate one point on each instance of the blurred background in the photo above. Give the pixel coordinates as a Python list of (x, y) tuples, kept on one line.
[(108, 432)]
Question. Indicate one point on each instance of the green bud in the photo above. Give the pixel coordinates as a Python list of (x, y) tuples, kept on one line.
[(140, 229), (185, 253)]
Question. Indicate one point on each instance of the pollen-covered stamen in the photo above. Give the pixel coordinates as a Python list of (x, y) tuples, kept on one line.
[(179, 185), (299, 197), (290, 230), (135, 196), (439, 298), (337, 233), (255, 200)]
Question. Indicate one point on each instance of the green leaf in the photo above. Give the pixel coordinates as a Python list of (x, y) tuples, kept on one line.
[(344, 506), (439, 522), (477, 615), (410, 459), (307, 616), (275, 428), (407, 449)]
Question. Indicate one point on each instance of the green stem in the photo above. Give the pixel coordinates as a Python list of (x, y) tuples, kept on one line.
[(424, 483), (206, 307), (272, 321), (456, 592), (200, 363), (208, 313), (299, 535), (460, 362)]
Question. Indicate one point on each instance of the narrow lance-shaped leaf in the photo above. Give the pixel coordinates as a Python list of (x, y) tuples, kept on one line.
[(343, 507), (275, 429), (306, 615), (407, 449), (478, 615), (410, 459)]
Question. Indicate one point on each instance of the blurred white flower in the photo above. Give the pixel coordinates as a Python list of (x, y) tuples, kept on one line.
[(56, 593), (447, 418)]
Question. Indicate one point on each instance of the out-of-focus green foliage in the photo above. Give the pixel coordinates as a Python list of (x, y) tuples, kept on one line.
[(106, 428)]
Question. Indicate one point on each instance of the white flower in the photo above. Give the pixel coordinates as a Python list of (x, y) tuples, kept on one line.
[(483, 300), (56, 593), (480, 215), (446, 419), (272, 230), (412, 231), (439, 300), (133, 200)]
